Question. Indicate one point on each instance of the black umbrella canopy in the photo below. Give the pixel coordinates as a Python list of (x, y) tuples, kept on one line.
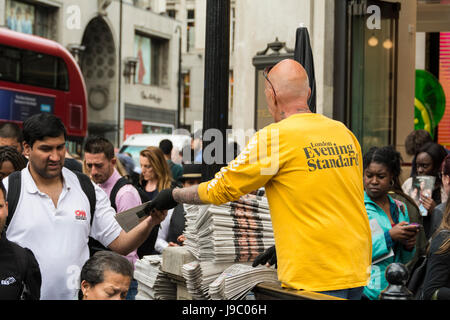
[(303, 54)]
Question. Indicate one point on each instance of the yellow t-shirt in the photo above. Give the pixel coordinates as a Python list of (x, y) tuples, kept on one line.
[(311, 167)]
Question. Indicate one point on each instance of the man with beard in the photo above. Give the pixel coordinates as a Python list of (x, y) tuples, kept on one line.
[(53, 216)]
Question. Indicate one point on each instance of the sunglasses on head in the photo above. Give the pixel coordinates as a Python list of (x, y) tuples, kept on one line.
[(265, 74)]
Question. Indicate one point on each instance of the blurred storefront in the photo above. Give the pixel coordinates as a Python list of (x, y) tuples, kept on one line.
[(433, 55)]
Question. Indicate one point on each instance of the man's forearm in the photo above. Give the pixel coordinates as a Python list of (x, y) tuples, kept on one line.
[(127, 242), (187, 195)]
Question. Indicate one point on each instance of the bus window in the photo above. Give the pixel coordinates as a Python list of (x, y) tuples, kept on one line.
[(39, 70), (63, 76), (9, 64)]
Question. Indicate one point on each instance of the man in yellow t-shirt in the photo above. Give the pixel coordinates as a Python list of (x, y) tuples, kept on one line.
[(311, 167)]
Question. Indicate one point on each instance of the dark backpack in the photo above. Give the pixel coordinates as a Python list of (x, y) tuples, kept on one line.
[(121, 183), (148, 247), (94, 245), (416, 280)]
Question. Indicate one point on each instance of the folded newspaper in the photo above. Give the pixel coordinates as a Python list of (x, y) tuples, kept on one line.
[(199, 275), (153, 284), (238, 280), (132, 217), (234, 232)]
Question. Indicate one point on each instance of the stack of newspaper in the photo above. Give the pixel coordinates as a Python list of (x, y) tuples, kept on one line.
[(237, 280), (153, 284), (199, 275), (234, 232)]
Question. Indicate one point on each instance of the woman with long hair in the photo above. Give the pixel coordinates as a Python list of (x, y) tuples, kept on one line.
[(155, 176), (437, 278), (393, 239), (428, 162)]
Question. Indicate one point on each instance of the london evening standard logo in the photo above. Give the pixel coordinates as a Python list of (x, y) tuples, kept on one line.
[(328, 155), (80, 215)]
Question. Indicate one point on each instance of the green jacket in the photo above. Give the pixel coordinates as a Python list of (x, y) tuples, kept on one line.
[(383, 245)]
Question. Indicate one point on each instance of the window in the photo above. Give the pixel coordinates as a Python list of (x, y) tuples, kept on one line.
[(371, 80), (33, 68), (30, 19), (233, 27), (187, 90), (9, 64), (190, 30), (152, 54), (172, 13), (231, 89)]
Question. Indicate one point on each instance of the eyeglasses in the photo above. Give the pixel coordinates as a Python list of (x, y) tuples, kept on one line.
[(265, 74)]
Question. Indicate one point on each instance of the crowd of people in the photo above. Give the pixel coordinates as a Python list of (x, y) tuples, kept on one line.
[(340, 217)]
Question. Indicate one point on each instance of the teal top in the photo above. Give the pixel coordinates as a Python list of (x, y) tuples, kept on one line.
[(176, 169), (383, 245)]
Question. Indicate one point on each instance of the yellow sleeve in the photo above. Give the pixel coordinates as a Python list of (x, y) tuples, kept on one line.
[(252, 169)]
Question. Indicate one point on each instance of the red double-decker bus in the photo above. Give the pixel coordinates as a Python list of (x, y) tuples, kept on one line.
[(39, 75)]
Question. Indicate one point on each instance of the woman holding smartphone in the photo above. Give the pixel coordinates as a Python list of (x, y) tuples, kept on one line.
[(393, 238)]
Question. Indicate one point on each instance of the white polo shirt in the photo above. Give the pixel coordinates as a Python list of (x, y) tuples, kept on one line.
[(58, 236)]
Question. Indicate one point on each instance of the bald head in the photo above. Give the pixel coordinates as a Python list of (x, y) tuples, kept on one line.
[(291, 85)]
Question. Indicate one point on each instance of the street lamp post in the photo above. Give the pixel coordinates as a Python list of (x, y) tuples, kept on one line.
[(217, 61), (178, 30)]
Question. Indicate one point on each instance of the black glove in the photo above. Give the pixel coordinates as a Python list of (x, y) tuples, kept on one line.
[(163, 201), (268, 256)]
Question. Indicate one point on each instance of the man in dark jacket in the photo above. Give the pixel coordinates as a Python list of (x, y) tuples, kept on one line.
[(20, 276)]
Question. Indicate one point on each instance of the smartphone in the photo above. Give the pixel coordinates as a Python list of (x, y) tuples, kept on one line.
[(413, 225)]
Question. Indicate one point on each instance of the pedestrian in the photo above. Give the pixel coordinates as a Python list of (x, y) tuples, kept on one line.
[(196, 147), (312, 173), (11, 135), (413, 142), (393, 239), (10, 161), (170, 233), (437, 277), (155, 176), (19, 271), (414, 215), (166, 146), (100, 162), (105, 276), (53, 212), (438, 212), (429, 160), (129, 166)]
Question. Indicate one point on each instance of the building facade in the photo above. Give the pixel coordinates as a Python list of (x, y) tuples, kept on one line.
[(128, 53), (192, 15), (143, 60)]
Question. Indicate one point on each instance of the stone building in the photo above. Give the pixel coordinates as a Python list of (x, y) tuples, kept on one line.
[(128, 53)]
